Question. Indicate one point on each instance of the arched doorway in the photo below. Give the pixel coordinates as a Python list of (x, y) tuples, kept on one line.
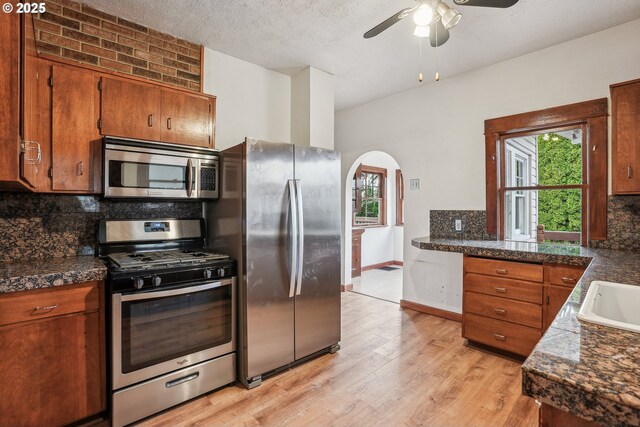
[(374, 219)]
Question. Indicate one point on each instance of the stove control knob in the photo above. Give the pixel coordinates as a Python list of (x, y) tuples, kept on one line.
[(221, 272), (138, 282), (155, 281), (207, 274)]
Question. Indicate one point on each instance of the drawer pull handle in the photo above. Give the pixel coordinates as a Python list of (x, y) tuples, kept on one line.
[(500, 337), (150, 120), (501, 290), (500, 311), (182, 380), (502, 271), (46, 308), (568, 280)]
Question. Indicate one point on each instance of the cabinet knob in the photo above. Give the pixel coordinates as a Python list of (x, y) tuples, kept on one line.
[(169, 123), (629, 172), (500, 337), (501, 290), (150, 120), (500, 311), (501, 271), (80, 169)]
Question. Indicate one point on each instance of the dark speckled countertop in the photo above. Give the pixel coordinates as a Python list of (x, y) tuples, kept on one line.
[(43, 273), (589, 370)]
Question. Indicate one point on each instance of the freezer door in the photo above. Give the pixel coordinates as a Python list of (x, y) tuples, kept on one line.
[(268, 308), (317, 301)]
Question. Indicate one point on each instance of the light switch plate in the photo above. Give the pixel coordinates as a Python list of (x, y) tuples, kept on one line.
[(414, 184), (458, 225)]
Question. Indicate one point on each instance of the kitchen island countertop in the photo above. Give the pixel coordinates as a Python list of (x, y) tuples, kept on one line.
[(29, 274), (585, 369)]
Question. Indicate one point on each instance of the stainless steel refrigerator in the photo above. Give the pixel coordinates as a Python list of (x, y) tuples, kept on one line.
[(278, 215)]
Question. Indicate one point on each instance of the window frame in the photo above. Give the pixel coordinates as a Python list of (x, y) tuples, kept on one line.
[(399, 197), (383, 194), (592, 117)]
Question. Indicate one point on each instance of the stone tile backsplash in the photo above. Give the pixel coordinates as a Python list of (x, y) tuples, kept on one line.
[(442, 224), (45, 225), (623, 224), (623, 220)]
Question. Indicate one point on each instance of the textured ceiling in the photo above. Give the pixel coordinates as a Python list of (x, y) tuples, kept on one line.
[(288, 35)]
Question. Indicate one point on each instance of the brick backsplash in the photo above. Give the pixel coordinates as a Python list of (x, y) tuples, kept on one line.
[(81, 33)]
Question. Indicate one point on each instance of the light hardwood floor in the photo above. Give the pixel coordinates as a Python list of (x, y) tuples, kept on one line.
[(396, 368)]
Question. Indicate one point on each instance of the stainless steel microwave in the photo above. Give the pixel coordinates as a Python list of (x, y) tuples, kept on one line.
[(143, 169)]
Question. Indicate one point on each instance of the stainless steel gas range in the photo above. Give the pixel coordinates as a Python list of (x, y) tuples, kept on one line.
[(172, 315)]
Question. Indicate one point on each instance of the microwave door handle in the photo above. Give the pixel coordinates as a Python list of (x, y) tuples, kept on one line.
[(300, 236), (189, 177), (294, 237)]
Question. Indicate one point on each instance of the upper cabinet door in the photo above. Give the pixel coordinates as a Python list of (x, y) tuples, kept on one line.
[(130, 110), (187, 119), (76, 142), (35, 159), (626, 138)]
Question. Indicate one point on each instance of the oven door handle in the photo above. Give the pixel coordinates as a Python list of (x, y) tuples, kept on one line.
[(174, 292), (189, 177)]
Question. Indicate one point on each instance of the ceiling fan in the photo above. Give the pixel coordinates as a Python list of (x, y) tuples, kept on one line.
[(434, 18)]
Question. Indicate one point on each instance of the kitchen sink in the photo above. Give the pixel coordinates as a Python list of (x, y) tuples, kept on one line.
[(612, 304)]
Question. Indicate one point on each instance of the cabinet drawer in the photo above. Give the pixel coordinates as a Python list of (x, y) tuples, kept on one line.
[(565, 275), (500, 334), (40, 304), (522, 313), (500, 268), (505, 288)]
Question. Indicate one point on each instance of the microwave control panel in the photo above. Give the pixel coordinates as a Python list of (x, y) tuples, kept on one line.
[(208, 178)]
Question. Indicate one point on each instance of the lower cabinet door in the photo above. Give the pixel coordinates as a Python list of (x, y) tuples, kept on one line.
[(554, 299), (50, 371)]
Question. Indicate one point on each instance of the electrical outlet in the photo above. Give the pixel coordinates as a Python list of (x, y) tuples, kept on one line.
[(414, 184), (458, 225)]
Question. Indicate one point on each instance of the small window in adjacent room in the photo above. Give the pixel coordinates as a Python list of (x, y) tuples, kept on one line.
[(369, 196), (399, 198)]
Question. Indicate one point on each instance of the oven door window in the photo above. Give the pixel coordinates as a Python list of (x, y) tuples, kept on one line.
[(126, 174), (160, 329)]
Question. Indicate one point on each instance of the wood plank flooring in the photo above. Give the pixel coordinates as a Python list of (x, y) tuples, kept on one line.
[(396, 368)]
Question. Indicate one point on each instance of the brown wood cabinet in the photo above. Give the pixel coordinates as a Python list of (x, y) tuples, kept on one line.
[(10, 60), (132, 109), (625, 118), (356, 252), (554, 417), (186, 119), (76, 141), (508, 305), (52, 355)]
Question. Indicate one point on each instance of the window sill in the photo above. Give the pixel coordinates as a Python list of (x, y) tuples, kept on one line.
[(355, 227)]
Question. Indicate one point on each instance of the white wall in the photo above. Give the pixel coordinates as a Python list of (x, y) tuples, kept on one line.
[(436, 131), (380, 244), (322, 109), (301, 107), (251, 100), (312, 109)]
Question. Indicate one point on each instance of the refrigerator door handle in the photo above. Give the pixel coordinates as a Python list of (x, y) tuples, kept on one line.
[(294, 237), (300, 236)]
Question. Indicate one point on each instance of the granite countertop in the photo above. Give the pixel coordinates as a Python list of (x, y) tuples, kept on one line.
[(43, 273), (582, 368)]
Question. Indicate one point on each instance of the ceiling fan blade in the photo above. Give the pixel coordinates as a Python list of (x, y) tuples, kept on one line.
[(486, 3), (438, 34), (387, 23)]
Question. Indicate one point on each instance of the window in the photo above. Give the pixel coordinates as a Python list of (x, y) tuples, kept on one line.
[(547, 170), (368, 196), (543, 185), (399, 198)]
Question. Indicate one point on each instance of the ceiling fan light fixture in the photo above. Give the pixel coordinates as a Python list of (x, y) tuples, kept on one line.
[(450, 17), (423, 15), (421, 31)]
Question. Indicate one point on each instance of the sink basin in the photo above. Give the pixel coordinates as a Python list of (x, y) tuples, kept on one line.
[(612, 304)]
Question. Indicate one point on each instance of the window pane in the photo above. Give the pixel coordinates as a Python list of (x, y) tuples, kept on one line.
[(544, 159), (560, 211)]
